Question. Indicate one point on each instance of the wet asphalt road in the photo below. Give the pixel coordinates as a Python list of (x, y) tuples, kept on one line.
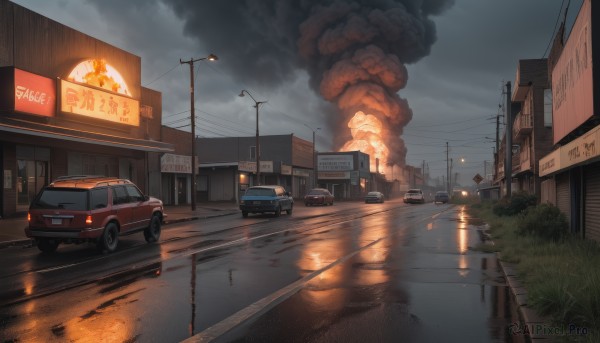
[(348, 273)]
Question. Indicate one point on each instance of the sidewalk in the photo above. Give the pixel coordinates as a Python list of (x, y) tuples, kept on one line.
[(12, 229)]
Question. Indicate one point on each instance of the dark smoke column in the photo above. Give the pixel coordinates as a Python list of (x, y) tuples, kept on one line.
[(354, 51)]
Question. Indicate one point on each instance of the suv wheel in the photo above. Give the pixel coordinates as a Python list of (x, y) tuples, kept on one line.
[(245, 214), (47, 245), (152, 232), (109, 239)]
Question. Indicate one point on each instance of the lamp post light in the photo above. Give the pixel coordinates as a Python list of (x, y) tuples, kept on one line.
[(314, 156), (211, 57), (256, 105)]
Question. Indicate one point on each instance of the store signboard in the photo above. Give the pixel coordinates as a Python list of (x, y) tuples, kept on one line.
[(90, 102), (572, 77), (247, 166), (335, 162), (286, 170), (334, 175), (301, 173), (34, 94), (170, 163)]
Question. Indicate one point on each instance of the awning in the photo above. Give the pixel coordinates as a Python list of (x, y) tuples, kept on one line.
[(51, 131)]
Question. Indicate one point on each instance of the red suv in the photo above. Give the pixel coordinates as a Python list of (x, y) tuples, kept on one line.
[(77, 209)]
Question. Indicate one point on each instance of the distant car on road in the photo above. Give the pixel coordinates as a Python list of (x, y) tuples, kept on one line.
[(374, 197), (77, 209), (318, 196), (442, 197), (414, 196), (266, 199)]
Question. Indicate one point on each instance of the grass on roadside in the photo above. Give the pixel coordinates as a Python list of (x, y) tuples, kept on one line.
[(562, 277)]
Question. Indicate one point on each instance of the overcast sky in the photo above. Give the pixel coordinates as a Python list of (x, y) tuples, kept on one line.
[(454, 91)]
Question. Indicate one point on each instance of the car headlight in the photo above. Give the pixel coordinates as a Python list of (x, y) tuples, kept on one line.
[(242, 202)]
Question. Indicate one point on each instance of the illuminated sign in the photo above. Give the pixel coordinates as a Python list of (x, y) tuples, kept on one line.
[(94, 103), (99, 74), (34, 94)]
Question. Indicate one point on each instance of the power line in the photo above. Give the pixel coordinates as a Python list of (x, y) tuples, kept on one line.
[(555, 25), (163, 74)]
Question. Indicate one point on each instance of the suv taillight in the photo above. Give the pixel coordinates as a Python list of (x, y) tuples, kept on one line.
[(28, 217), (88, 220)]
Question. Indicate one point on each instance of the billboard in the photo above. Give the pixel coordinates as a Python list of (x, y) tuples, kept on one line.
[(335, 162), (95, 103), (34, 94), (572, 82)]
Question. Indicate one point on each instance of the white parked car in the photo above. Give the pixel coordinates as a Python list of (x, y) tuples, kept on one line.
[(414, 196)]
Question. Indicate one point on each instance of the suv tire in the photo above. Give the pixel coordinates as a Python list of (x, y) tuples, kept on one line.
[(152, 232), (47, 245), (110, 238)]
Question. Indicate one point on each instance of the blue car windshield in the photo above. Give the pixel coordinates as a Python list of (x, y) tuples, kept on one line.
[(260, 192)]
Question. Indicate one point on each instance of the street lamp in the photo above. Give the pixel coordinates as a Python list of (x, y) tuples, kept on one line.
[(314, 157), (211, 57), (256, 105)]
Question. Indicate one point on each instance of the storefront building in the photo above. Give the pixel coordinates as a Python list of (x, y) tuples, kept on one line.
[(70, 105), (346, 174), (176, 167), (228, 165), (572, 170)]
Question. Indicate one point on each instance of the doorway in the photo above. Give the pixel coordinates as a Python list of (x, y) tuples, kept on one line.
[(31, 177), (181, 190)]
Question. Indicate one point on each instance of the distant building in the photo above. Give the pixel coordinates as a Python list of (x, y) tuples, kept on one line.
[(227, 165), (347, 175)]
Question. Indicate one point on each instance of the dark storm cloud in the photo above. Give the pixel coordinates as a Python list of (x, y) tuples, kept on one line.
[(354, 52)]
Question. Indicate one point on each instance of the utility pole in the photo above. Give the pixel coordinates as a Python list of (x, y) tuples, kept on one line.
[(193, 118), (497, 132), (423, 173), (509, 128), (447, 171), (210, 57)]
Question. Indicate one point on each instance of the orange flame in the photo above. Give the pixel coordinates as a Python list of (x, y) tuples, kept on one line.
[(367, 132)]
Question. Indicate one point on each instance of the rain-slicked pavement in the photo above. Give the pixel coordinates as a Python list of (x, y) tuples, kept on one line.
[(351, 273)]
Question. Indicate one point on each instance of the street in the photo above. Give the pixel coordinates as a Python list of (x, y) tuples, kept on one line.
[(351, 272)]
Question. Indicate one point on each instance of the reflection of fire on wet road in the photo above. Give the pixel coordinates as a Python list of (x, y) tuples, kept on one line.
[(324, 291)]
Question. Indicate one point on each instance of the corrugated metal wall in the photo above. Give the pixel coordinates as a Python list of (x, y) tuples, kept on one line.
[(592, 202), (563, 194), (548, 192)]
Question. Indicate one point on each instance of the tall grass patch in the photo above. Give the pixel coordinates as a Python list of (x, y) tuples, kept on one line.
[(561, 272)]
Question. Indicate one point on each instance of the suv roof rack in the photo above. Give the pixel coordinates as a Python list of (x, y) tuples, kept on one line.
[(76, 177)]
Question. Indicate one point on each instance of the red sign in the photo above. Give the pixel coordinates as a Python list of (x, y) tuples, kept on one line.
[(34, 94)]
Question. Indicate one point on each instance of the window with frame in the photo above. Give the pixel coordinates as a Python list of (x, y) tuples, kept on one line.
[(119, 195)]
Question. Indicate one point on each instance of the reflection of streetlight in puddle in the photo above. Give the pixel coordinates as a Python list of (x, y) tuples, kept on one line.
[(463, 241)]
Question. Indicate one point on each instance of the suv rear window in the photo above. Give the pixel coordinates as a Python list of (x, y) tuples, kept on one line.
[(68, 199)]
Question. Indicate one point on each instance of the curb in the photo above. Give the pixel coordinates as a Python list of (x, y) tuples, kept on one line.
[(529, 317), (29, 242)]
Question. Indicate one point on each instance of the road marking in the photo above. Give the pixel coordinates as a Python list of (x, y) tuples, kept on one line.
[(263, 305)]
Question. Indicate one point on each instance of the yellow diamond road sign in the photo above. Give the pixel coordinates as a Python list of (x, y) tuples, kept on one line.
[(478, 178)]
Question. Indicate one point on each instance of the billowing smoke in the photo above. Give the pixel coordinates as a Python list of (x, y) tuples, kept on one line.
[(354, 51)]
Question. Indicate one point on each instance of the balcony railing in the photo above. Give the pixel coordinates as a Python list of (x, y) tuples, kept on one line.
[(523, 125)]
